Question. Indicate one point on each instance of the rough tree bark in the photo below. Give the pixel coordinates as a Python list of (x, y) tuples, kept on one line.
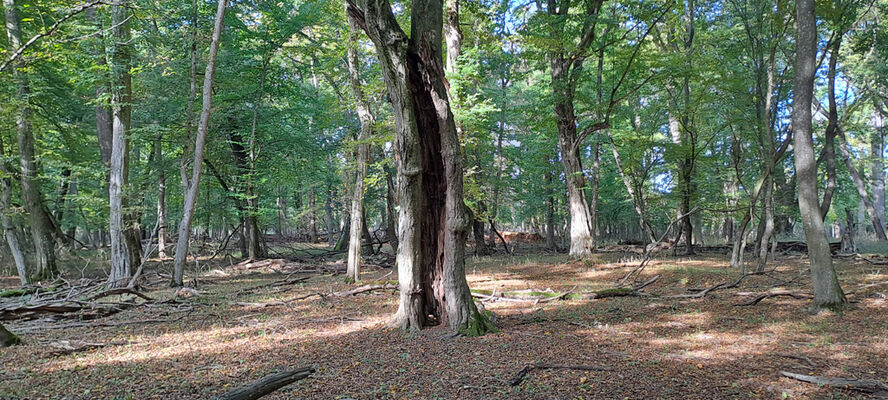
[(353, 266), (41, 222), (121, 97), (10, 230), (827, 291), (566, 67), (200, 141), (434, 220)]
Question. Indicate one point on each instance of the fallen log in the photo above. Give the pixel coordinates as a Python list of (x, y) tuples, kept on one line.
[(267, 384), (17, 312), (874, 387), (519, 377)]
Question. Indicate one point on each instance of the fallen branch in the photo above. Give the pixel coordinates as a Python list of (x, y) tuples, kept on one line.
[(866, 286), (867, 386), (266, 385), (113, 292), (68, 347), (364, 289), (648, 250), (621, 291), (776, 293), (519, 377)]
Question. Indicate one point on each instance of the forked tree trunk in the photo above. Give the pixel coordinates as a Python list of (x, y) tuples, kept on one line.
[(200, 141), (353, 266), (41, 222), (827, 292), (582, 242), (434, 220)]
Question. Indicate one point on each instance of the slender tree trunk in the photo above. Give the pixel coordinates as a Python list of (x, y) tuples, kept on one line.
[(353, 267), (391, 232), (328, 213), (200, 141), (312, 218), (638, 199), (161, 197), (859, 184), (827, 292), (877, 178), (41, 222), (433, 228), (10, 230), (829, 144)]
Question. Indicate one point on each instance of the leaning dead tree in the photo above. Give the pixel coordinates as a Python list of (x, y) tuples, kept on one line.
[(433, 219)]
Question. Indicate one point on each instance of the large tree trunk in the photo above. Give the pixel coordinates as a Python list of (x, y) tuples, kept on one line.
[(10, 230), (200, 141), (434, 220), (582, 243), (42, 227), (121, 97), (353, 266), (827, 292)]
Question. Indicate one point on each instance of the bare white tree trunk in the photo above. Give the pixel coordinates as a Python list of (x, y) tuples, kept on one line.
[(353, 268), (200, 142)]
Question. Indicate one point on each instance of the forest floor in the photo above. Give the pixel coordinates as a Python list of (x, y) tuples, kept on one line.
[(248, 322)]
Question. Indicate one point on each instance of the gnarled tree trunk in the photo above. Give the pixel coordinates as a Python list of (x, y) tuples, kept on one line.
[(434, 220)]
